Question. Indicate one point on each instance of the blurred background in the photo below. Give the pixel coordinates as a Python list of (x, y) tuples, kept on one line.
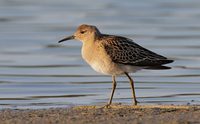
[(37, 72)]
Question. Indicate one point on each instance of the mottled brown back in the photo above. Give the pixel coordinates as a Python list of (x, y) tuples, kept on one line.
[(124, 51)]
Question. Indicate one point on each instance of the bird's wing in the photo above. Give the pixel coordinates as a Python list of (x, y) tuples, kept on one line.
[(124, 51)]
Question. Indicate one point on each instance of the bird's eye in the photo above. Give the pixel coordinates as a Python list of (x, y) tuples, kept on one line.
[(82, 32)]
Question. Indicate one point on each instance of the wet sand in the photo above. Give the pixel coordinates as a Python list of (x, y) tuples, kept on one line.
[(116, 114)]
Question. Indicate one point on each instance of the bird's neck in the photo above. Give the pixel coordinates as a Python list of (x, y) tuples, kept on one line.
[(88, 47), (87, 51)]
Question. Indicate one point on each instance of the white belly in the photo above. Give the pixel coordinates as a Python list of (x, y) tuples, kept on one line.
[(113, 68), (101, 67)]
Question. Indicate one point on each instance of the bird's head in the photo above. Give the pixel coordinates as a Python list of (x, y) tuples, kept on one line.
[(84, 33)]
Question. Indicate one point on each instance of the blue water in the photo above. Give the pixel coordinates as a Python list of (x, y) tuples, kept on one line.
[(37, 72)]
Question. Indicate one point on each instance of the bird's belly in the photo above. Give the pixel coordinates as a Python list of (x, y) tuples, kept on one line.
[(112, 68), (105, 68)]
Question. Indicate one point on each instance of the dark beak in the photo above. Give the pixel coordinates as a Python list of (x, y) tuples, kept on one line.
[(67, 38)]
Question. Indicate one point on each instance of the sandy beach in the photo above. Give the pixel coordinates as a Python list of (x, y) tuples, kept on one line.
[(116, 114)]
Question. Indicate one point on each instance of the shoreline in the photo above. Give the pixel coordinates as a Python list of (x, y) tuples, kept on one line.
[(117, 114)]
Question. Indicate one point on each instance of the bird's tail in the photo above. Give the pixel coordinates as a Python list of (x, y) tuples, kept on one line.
[(158, 67)]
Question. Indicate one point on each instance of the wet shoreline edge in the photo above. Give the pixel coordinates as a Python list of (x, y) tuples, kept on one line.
[(98, 114)]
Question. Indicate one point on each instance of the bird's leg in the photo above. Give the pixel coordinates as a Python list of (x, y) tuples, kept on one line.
[(133, 88), (114, 84)]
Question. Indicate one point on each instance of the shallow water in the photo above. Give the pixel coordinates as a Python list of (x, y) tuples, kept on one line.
[(36, 72)]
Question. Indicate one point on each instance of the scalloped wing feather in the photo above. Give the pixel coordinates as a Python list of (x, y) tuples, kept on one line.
[(124, 51)]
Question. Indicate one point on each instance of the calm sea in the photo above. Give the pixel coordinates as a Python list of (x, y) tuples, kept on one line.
[(37, 72)]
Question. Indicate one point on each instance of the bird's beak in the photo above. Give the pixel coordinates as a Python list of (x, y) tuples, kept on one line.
[(67, 38)]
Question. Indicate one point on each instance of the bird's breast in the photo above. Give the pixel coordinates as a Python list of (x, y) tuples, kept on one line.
[(100, 61), (87, 53), (94, 57)]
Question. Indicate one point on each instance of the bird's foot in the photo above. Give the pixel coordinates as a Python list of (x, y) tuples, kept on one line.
[(135, 102), (107, 106)]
